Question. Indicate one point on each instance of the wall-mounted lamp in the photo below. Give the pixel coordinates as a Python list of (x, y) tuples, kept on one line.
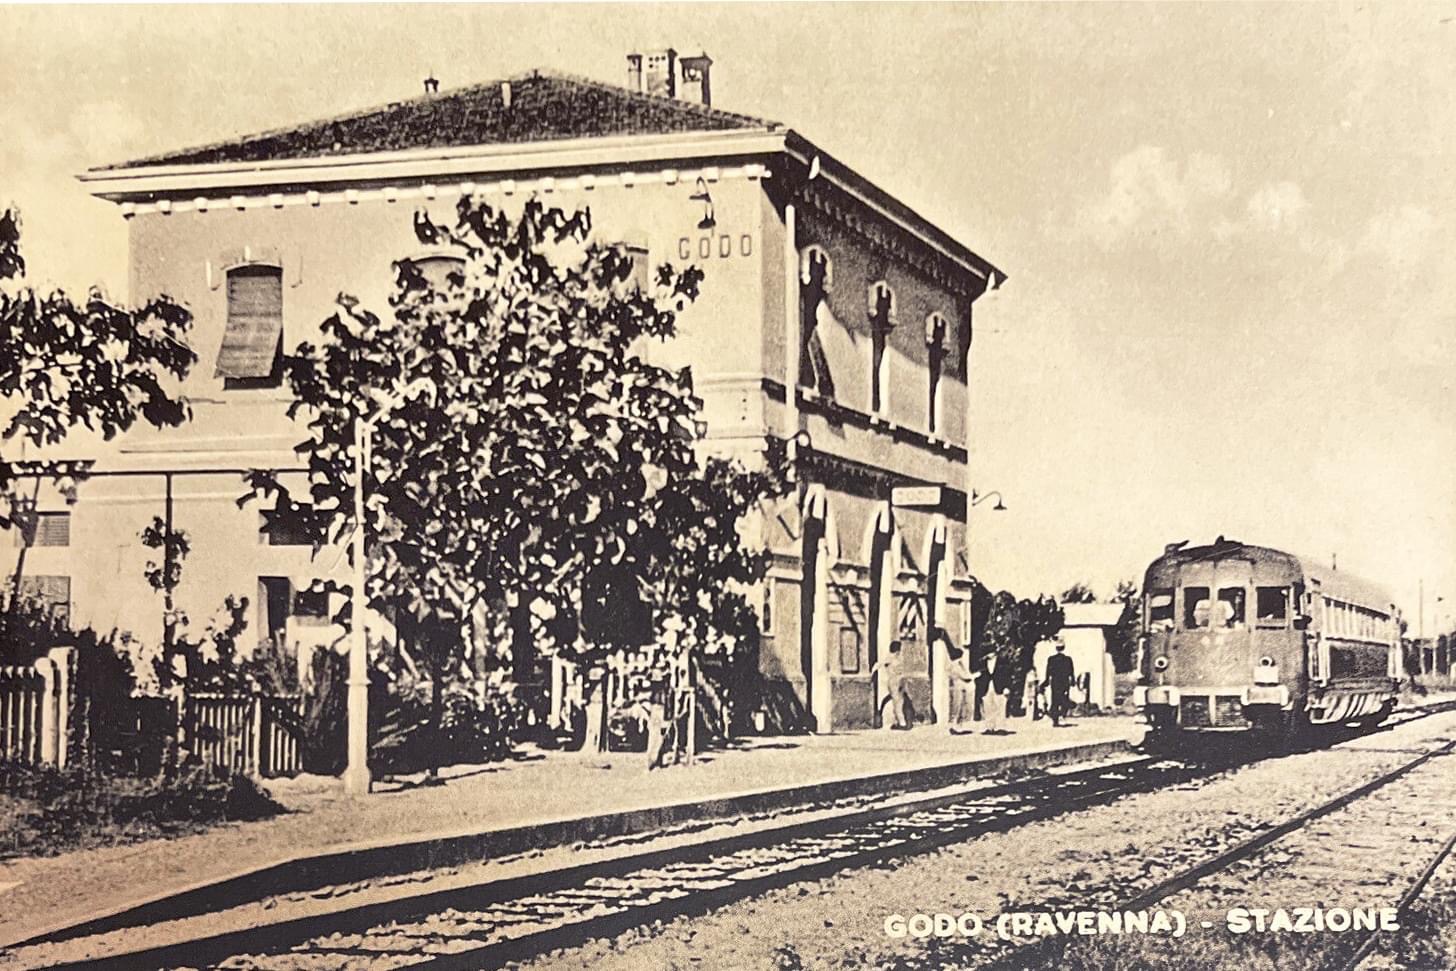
[(978, 498), (706, 198)]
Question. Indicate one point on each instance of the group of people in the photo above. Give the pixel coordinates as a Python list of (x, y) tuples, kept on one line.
[(969, 684)]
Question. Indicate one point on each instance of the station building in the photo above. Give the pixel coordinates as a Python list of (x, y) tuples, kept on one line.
[(831, 314)]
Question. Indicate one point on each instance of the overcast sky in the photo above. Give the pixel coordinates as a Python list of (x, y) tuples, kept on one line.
[(1230, 230)]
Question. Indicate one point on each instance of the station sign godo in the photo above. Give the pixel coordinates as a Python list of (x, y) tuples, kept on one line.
[(915, 497)]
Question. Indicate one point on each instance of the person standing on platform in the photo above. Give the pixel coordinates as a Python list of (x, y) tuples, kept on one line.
[(889, 672), (962, 688), (992, 702), (1059, 677)]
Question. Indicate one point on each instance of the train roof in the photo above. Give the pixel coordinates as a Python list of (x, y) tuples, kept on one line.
[(1332, 582)]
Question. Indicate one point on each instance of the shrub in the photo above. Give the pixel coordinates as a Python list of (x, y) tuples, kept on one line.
[(58, 809), (479, 722)]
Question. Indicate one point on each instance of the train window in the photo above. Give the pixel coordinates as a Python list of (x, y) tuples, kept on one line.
[(1160, 607), (1195, 607), (1271, 606), (1231, 607)]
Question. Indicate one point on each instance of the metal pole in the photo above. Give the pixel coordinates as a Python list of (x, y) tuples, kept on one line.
[(169, 625), (356, 775)]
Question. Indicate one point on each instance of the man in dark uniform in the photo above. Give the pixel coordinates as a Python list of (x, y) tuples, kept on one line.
[(1059, 675)]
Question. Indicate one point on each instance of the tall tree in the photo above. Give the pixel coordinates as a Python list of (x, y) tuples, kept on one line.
[(522, 445), (66, 363)]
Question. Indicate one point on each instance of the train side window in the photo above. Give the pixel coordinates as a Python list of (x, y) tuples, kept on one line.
[(1160, 608), (1271, 606), (1231, 606), (1195, 607)]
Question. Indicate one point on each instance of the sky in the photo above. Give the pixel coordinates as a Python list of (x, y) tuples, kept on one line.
[(1229, 229)]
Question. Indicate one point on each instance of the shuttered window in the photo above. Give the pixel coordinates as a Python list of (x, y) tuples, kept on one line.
[(252, 347), (44, 529)]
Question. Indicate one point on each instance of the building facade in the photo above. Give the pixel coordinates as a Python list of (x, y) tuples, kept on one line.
[(831, 315)]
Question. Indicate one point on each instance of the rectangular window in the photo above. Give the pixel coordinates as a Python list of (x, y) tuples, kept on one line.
[(43, 529), (848, 650), (52, 593), (766, 616), (1231, 607), (311, 609), (282, 534), (252, 345), (1160, 607), (275, 598), (1195, 608), (1271, 605)]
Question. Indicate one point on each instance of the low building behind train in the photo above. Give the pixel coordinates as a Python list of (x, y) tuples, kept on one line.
[(1237, 636)]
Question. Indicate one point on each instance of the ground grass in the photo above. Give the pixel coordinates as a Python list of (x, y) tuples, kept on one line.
[(44, 811)]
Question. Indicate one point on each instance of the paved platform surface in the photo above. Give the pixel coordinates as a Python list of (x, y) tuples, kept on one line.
[(541, 790)]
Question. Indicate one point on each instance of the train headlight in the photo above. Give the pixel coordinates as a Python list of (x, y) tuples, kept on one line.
[(1266, 671), (1160, 664)]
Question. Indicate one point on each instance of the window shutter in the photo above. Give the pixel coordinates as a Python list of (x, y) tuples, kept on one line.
[(254, 333)]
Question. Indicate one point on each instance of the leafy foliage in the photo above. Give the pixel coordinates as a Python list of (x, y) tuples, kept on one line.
[(53, 810), (1123, 639), (1078, 593), (1013, 630), (66, 363)]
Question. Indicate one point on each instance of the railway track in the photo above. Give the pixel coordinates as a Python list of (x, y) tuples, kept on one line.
[(488, 924), (513, 919), (1352, 948)]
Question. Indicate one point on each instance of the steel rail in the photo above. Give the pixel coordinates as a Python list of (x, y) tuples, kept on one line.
[(1407, 900), (1017, 958), (830, 844)]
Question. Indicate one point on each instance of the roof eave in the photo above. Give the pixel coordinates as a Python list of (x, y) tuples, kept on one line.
[(887, 205), (144, 182)]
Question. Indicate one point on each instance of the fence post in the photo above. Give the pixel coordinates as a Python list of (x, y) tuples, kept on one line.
[(64, 659), (46, 668), (257, 736)]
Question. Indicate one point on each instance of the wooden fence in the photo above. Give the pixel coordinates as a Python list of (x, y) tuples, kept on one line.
[(253, 734), (35, 701)]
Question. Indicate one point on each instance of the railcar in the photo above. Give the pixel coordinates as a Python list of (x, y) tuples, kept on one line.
[(1239, 637)]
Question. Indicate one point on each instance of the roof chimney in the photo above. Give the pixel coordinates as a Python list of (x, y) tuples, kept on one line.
[(653, 72), (432, 85), (694, 85), (663, 74)]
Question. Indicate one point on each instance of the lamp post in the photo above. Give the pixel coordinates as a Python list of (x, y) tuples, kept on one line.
[(356, 773), (357, 778)]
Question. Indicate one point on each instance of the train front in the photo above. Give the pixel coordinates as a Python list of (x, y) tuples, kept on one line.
[(1223, 642)]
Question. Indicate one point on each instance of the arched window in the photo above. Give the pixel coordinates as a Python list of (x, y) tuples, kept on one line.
[(816, 278), (935, 329), (882, 321), (816, 269), (252, 344)]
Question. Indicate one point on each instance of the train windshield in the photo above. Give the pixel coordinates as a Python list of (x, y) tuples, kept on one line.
[(1272, 605), (1160, 608), (1195, 608), (1231, 607)]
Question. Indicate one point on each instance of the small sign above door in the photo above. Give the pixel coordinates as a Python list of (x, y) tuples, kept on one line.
[(903, 497)]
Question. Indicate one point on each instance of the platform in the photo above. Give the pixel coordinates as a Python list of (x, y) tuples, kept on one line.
[(543, 799)]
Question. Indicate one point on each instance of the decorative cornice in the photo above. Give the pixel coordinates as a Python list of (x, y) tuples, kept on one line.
[(567, 157), (436, 190)]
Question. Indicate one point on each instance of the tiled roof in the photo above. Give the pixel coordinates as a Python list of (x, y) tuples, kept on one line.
[(544, 106)]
